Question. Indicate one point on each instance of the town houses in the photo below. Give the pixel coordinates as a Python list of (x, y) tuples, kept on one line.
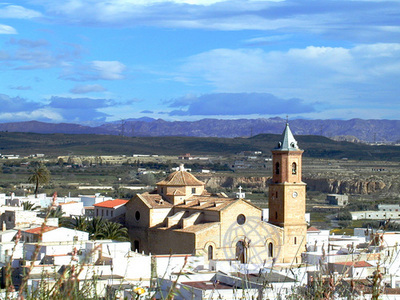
[(183, 239)]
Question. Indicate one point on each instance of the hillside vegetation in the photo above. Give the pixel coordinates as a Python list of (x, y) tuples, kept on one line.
[(89, 144)]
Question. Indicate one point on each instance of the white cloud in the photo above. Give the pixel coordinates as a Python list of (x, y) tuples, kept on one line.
[(17, 12), (323, 74), (353, 19), (109, 70), (44, 114), (5, 29)]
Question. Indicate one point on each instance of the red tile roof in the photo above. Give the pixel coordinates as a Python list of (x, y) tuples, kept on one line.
[(313, 229), (111, 203), (39, 230), (356, 264)]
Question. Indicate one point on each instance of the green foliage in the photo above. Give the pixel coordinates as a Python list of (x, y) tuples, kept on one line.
[(113, 231), (98, 228), (344, 215), (59, 144), (29, 206), (55, 213), (39, 175)]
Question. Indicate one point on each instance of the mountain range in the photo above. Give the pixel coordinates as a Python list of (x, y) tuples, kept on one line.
[(354, 129)]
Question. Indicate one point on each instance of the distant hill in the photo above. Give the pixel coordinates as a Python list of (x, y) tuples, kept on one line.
[(91, 144), (364, 130)]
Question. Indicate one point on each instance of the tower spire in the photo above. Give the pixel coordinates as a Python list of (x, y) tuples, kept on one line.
[(288, 142)]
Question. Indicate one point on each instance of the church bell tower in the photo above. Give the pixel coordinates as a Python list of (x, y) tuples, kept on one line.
[(287, 196)]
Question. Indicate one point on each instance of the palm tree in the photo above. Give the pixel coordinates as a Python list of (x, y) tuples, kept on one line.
[(55, 213), (29, 206), (113, 231), (40, 175), (79, 223), (95, 227)]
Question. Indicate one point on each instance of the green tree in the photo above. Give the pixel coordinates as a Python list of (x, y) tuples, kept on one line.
[(113, 231), (29, 206), (79, 223), (40, 175), (95, 227), (56, 213)]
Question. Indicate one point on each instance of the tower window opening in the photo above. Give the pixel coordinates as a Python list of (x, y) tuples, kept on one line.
[(210, 252), (294, 168), (276, 215), (295, 240), (270, 250), (277, 168)]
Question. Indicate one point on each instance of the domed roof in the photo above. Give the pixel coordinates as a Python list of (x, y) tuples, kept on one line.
[(181, 178)]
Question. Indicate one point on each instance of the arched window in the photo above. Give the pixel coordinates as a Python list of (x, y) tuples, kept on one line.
[(136, 245), (241, 252), (270, 250), (294, 168), (277, 168), (210, 252)]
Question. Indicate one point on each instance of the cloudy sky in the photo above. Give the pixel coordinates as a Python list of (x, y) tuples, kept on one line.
[(99, 60)]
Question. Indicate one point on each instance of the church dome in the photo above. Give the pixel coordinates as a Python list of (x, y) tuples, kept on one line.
[(181, 178)]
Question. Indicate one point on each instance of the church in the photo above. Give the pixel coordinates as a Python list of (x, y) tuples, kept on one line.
[(181, 217)]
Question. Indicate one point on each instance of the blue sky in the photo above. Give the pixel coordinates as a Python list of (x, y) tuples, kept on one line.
[(88, 61)]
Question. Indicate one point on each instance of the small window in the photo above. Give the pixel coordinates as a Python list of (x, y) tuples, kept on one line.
[(295, 240), (137, 215), (112, 213), (276, 215), (270, 250), (107, 213), (102, 212), (75, 239), (277, 168), (210, 252), (294, 168), (193, 190)]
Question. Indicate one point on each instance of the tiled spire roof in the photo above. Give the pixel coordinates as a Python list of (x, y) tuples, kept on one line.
[(288, 141)]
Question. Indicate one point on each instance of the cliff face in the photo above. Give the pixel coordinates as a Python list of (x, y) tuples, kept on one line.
[(324, 185), (230, 181), (349, 186)]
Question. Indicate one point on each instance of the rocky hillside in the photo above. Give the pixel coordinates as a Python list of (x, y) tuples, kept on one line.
[(387, 185), (364, 130)]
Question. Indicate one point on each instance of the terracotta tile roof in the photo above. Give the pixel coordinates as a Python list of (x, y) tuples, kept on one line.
[(39, 229), (154, 200), (181, 178), (206, 203), (71, 202), (356, 264), (313, 229), (176, 193), (197, 227), (111, 203)]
